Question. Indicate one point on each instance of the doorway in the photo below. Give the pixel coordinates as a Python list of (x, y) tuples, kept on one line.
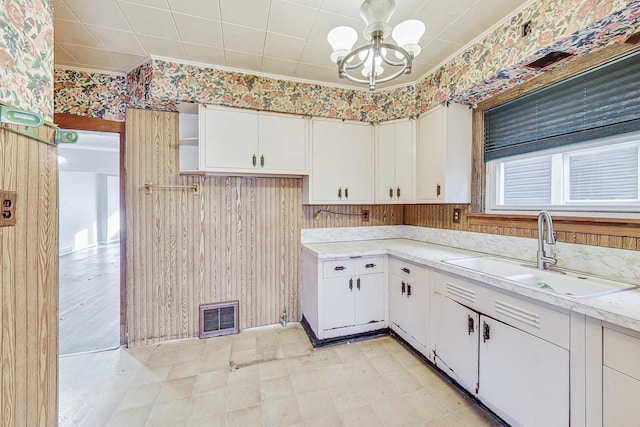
[(89, 237)]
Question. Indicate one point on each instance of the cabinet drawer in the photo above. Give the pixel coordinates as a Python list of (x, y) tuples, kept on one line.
[(369, 265), (338, 268), (406, 270), (621, 352)]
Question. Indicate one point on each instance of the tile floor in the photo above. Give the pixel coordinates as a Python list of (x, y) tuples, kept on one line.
[(263, 377)]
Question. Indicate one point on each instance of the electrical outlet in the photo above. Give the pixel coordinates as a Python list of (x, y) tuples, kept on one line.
[(365, 215), (457, 213), (8, 218)]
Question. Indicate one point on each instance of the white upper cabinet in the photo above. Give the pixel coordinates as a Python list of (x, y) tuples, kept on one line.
[(443, 155), (395, 162), (246, 142), (341, 163)]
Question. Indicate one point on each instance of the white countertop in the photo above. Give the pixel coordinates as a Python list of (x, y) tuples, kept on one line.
[(621, 308)]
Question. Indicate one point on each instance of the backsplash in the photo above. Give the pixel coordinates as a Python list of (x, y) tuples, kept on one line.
[(351, 215), (617, 264)]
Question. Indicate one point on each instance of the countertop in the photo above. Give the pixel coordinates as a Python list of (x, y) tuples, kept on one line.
[(621, 308)]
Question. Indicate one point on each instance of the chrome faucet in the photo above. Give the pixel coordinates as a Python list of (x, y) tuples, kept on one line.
[(542, 257)]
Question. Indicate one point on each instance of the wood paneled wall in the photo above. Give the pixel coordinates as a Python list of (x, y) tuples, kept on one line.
[(351, 215), (29, 282), (238, 239)]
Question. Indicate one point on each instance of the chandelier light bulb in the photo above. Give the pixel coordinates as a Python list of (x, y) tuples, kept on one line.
[(407, 35), (341, 40), (376, 14)]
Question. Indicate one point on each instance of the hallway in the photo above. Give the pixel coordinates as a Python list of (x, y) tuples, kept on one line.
[(89, 300)]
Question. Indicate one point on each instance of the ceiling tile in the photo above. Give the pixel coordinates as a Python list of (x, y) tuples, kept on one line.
[(467, 27), (73, 33), (278, 67), (62, 11), (439, 50), (149, 21), (438, 15), (325, 22), (249, 13), (116, 40), (283, 47), (90, 57), (209, 9), (160, 4), (162, 47), (317, 54), (204, 54), (243, 39), (499, 9), (243, 61), (291, 19), (312, 72), (104, 13), (310, 3), (198, 30), (342, 7), (61, 55), (126, 61), (405, 10)]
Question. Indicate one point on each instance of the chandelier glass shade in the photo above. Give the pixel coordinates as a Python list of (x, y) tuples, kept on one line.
[(371, 57)]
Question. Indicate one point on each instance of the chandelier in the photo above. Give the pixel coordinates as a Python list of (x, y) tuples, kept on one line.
[(371, 57)]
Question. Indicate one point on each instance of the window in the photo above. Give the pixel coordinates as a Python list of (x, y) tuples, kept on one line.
[(602, 176), (571, 146)]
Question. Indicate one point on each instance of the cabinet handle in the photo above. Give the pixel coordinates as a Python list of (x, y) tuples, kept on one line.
[(486, 329), (369, 266), (408, 290), (398, 192), (262, 161), (350, 284), (391, 193), (254, 160), (339, 268), (346, 193), (406, 270), (438, 190), (340, 193), (403, 287), (358, 283), (472, 327)]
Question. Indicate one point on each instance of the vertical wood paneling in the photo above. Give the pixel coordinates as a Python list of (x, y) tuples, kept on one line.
[(29, 282), (238, 239)]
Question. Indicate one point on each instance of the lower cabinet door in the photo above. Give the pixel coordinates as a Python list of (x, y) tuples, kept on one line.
[(523, 379), (455, 341), (619, 399), (338, 303), (417, 318), (397, 297), (369, 297)]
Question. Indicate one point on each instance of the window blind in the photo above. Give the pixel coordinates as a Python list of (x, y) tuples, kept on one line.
[(598, 103), (527, 181)]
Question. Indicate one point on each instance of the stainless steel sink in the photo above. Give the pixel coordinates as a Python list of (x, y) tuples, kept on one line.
[(560, 282)]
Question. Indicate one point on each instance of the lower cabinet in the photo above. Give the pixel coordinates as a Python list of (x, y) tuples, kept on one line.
[(409, 295), (345, 296), (620, 378), (522, 377)]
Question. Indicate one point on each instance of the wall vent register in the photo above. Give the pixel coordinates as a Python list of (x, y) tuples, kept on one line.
[(218, 319)]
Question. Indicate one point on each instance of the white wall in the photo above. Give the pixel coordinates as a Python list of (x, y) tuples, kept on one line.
[(78, 210)]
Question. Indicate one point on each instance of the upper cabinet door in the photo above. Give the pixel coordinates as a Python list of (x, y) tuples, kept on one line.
[(230, 140), (404, 159), (385, 163), (282, 143), (430, 150), (357, 162)]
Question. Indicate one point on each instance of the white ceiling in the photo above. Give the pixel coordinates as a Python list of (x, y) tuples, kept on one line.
[(278, 37)]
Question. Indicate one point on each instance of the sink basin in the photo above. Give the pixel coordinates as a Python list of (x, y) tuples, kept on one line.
[(568, 284), (490, 265), (560, 282)]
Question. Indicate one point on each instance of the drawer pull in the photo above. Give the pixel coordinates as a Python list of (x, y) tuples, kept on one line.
[(369, 265), (406, 270), (351, 284), (339, 268)]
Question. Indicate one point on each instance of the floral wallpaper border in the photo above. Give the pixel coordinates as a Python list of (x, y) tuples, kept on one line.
[(26, 55), (488, 67)]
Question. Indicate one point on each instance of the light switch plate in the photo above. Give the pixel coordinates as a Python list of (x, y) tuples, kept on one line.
[(8, 206)]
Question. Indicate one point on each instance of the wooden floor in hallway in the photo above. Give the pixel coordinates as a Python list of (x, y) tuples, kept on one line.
[(89, 299)]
